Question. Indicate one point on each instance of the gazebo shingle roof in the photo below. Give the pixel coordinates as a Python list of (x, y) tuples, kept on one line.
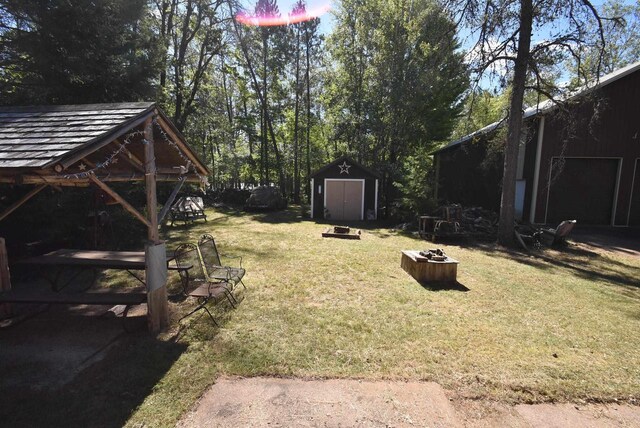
[(43, 135)]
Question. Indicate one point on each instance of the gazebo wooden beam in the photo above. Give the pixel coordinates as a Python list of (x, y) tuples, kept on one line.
[(178, 141), (167, 205), (129, 157), (126, 205), (53, 179), (21, 201)]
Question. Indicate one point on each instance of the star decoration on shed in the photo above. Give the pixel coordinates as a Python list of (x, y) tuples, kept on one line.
[(344, 168), (82, 166)]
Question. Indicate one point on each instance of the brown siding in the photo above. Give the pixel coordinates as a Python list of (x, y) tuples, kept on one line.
[(614, 132), (634, 212), (575, 195), (467, 177)]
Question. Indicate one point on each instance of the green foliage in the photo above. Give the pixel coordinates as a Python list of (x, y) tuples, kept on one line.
[(397, 84), (417, 186), (621, 43), (481, 108), (75, 51), (190, 35)]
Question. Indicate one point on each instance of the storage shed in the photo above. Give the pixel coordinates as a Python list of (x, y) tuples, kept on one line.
[(581, 162), (344, 190)]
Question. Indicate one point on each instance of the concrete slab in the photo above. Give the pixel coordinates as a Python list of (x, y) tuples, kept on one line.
[(624, 241), (587, 416), (273, 402)]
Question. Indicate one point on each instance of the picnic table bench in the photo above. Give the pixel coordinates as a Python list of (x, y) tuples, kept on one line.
[(84, 259), (187, 208), (115, 298)]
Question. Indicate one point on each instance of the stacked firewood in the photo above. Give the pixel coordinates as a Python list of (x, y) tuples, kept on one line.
[(479, 223)]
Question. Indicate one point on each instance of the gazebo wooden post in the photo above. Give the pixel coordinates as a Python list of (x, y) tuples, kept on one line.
[(5, 278), (156, 272)]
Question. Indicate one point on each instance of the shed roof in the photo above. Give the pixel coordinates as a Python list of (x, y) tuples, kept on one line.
[(548, 105), (38, 138), (345, 159)]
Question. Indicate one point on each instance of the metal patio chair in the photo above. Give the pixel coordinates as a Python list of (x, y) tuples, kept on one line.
[(195, 282), (213, 265)]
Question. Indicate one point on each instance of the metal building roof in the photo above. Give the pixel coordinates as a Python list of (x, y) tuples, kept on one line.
[(547, 105)]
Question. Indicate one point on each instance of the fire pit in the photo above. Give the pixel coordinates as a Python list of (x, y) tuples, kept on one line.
[(343, 232), (429, 265)]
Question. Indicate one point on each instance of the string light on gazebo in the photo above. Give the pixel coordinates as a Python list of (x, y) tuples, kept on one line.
[(113, 157), (189, 164)]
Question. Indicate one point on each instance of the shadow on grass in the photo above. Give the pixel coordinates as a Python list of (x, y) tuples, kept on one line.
[(444, 286), (102, 394), (299, 214), (186, 225), (293, 214), (569, 257)]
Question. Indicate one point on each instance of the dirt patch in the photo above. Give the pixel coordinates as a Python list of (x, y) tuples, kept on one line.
[(49, 350), (79, 366), (275, 402)]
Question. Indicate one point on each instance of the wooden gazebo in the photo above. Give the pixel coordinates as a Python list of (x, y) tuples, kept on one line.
[(79, 145)]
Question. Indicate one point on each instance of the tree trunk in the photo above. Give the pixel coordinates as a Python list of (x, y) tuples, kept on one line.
[(262, 97), (507, 204), (308, 130), (265, 138), (296, 124)]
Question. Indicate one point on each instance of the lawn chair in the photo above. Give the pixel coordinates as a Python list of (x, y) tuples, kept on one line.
[(196, 284), (213, 265), (558, 236), (187, 208)]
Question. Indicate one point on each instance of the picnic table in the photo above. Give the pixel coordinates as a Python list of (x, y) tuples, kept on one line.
[(62, 259), (188, 209)]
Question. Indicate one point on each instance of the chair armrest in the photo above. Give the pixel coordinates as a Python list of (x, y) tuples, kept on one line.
[(226, 269)]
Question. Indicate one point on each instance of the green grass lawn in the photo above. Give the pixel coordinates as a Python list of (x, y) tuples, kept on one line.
[(561, 326)]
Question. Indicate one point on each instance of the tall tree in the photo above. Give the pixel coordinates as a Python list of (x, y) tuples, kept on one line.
[(398, 84), (75, 51), (298, 8), (191, 32), (619, 47), (305, 42), (505, 32), (272, 53), (312, 43)]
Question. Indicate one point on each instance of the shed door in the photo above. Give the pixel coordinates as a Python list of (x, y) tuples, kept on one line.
[(584, 190), (344, 199)]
